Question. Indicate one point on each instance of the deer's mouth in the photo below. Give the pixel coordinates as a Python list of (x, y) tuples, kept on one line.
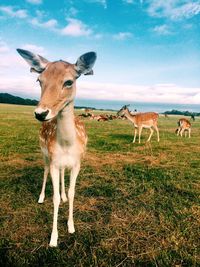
[(44, 115)]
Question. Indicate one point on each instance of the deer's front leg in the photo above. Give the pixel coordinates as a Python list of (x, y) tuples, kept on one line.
[(189, 133), (135, 134), (71, 193), (63, 194), (42, 194), (56, 202), (140, 131)]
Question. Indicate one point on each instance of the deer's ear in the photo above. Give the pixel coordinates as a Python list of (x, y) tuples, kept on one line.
[(85, 63), (37, 62)]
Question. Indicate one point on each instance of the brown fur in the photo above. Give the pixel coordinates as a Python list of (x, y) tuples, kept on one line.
[(140, 121), (183, 126), (146, 117), (47, 135), (52, 78)]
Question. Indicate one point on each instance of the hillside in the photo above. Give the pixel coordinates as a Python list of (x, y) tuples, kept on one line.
[(11, 99)]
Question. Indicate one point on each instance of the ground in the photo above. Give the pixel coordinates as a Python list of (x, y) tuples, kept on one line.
[(135, 204)]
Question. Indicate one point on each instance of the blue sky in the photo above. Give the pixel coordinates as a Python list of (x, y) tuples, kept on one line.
[(148, 50)]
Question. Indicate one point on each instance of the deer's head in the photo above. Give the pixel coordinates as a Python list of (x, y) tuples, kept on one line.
[(57, 80), (123, 110)]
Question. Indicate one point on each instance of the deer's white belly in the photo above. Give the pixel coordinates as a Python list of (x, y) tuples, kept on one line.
[(144, 126)]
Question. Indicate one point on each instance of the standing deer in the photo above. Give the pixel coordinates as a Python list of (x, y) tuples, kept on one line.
[(62, 137), (183, 126), (141, 120)]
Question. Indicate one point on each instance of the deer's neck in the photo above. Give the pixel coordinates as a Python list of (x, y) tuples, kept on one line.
[(130, 117), (66, 131)]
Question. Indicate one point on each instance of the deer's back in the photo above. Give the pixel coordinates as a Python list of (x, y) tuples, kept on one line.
[(146, 117)]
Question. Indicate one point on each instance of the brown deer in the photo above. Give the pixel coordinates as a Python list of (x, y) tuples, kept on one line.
[(62, 137), (141, 120), (183, 126)]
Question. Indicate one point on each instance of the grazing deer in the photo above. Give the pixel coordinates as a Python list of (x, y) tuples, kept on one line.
[(193, 117), (88, 110), (183, 126), (166, 115), (141, 120), (62, 137)]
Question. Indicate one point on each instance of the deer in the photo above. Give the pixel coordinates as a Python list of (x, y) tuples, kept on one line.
[(192, 117), (62, 136), (183, 126), (141, 120)]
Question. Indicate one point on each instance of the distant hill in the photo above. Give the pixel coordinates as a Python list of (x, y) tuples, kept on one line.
[(11, 99)]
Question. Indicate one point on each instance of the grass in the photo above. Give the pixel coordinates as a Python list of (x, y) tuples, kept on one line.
[(135, 205)]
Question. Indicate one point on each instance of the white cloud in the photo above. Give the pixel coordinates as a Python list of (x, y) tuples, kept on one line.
[(40, 13), (122, 35), (98, 36), (128, 1), (72, 11), (15, 75), (187, 10), (20, 85), (34, 48), (173, 9), (22, 82), (51, 24), (101, 2), (161, 93), (162, 30), (34, 2), (133, 1), (3, 47), (76, 28), (13, 12)]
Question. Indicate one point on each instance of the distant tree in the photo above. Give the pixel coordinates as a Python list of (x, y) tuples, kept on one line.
[(183, 113), (11, 99)]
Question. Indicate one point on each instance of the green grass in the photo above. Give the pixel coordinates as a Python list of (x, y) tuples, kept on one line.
[(135, 204)]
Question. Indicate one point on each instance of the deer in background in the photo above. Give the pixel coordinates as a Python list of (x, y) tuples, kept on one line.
[(141, 120), (183, 126), (62, 137)]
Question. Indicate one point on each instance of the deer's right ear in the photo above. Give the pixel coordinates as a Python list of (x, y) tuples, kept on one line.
[(37, 62)]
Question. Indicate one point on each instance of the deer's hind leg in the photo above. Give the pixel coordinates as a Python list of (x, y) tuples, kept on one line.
[(151, 132), (157, 131)]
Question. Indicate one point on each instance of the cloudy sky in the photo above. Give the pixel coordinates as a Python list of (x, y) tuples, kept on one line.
[(148, 50)]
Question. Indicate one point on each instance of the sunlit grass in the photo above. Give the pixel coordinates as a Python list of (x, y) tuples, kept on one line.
[(135, 204)]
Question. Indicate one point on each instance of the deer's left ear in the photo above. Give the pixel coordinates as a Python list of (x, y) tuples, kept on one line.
[(85, 63)]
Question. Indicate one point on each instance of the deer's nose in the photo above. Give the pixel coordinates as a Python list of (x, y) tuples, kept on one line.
[(41, 116)]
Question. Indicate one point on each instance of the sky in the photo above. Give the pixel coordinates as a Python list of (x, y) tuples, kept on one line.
[(147, 50)]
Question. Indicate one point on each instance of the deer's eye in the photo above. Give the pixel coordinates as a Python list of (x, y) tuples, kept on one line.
[(68, 83)]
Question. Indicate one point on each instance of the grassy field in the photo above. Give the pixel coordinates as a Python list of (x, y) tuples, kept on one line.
[(135, 205)]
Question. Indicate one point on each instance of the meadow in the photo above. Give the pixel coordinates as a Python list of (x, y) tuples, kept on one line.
[(135, 204)]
